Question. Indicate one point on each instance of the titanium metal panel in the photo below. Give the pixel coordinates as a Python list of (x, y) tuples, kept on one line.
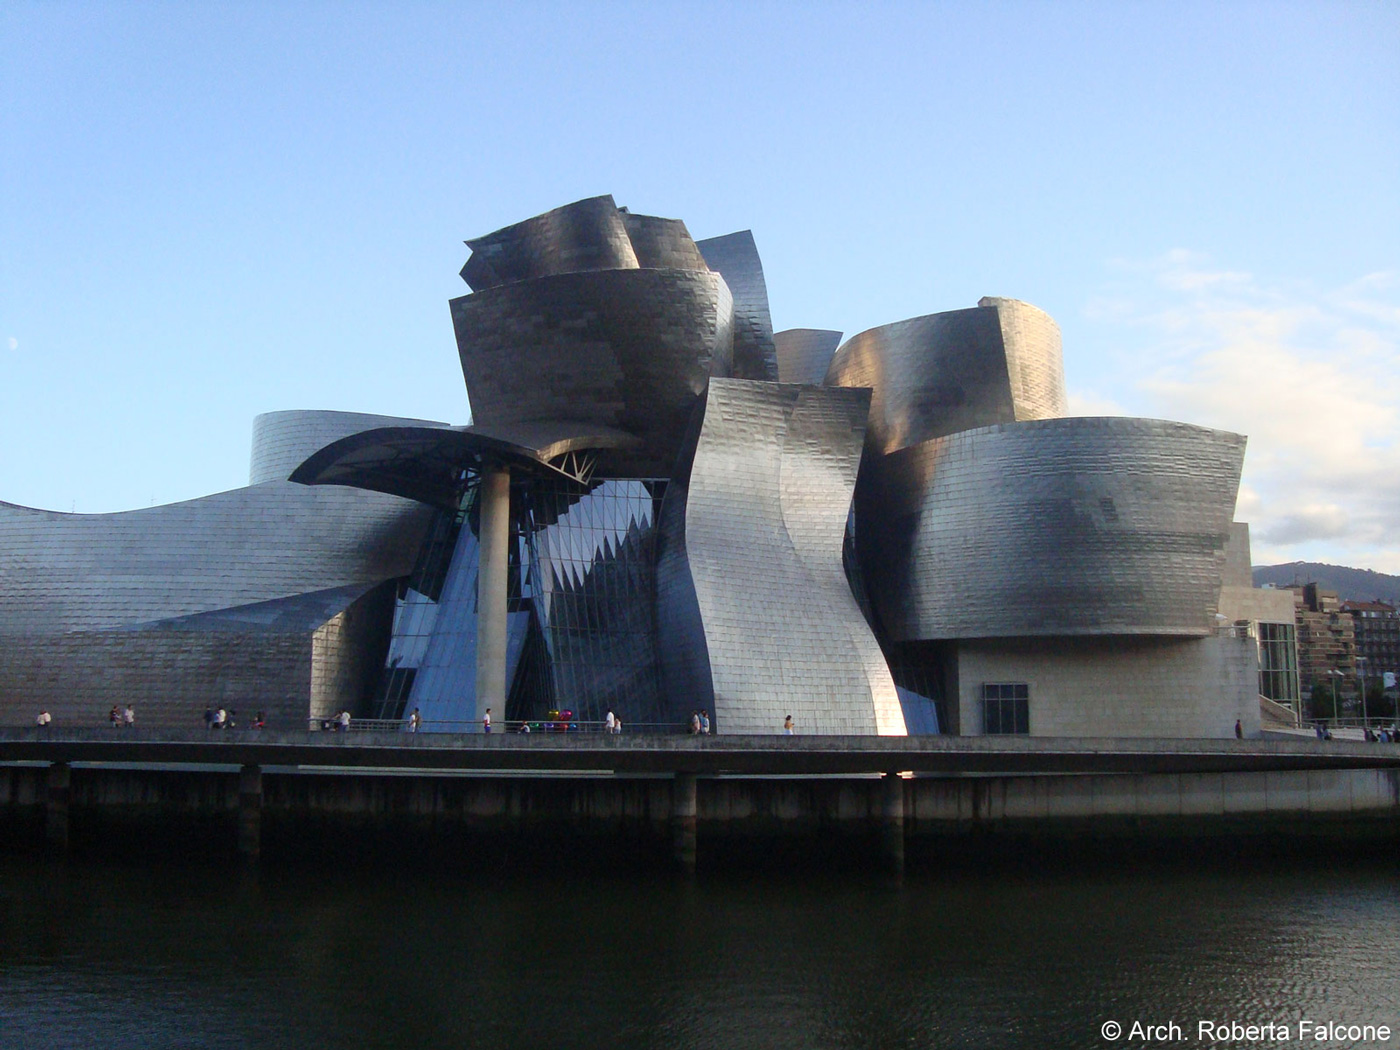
[(735, 257), (1034, 358), (282, 440), (804, 354), (764, 517), (586, 235), (662, 244), (1082, 526), (426, 463), (946, 372), (67, 572), (630, 350)]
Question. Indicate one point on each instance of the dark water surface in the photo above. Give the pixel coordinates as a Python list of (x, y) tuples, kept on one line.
[(107, 955)]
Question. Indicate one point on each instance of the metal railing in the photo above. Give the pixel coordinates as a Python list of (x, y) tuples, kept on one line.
[(525, 726)]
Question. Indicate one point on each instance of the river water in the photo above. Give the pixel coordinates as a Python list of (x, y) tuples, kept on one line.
[(98, 954)]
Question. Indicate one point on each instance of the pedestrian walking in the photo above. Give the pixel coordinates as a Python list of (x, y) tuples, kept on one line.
[(705, 723), (414, 721), (220, 718), (1239, 730), (486, 721), (610, 723), (344, 721), (128, 716), (695, 723), (788, 729), (44, 719)]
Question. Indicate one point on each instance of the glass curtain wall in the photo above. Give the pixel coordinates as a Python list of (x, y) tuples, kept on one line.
[(1278, 663), (582, 609), (593, 577)]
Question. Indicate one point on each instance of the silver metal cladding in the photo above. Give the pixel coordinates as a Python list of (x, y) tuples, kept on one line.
[(764, 517), (282, 440), (946, 372), (804, 354), (1081, 526), (735, 256), (632, 350)]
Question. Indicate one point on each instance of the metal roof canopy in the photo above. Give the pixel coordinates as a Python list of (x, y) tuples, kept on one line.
[(429, 464)]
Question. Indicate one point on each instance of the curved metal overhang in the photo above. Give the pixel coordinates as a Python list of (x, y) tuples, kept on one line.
[(427, 463)]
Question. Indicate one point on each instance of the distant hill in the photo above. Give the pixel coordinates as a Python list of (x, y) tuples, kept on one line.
[(1360, 585)]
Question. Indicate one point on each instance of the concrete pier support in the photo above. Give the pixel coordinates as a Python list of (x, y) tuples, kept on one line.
[(250, 799), (56, 797), (892, 822), (491, 594), (683, 815)]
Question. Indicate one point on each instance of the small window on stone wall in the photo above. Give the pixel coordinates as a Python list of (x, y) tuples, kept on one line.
[(1006, 708)]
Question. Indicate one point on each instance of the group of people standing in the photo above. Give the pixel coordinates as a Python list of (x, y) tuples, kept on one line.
[(700, 722), (121, 716), (218, 718)]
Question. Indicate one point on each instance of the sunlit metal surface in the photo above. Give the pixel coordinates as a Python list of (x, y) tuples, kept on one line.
[(735, 256), (283, 440), (1096, 526), (756, 615), (936, 375), (630, 350), (586, 235), (804, 354), (427, 463)]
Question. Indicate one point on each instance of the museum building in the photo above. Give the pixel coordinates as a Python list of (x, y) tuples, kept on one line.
[(661, 505)]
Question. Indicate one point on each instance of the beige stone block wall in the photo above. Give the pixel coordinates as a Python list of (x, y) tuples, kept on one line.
[(1258, 604), (1118, 687)]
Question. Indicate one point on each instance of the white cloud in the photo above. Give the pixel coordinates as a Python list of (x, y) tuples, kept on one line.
[(1312, 376), (14, 343)]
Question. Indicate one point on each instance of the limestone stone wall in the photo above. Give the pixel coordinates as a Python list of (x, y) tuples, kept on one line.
[(1118, 687)]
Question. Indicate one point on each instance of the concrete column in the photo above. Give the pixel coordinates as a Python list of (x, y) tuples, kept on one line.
[(491, 595), (683, 811), (56, 806), (250, 800), (892, 822)]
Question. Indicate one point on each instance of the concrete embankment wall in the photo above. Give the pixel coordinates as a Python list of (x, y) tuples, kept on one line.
[(348, 812)]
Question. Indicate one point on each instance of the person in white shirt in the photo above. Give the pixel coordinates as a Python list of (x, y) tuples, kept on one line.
[(220, 717), (610, 723), (486, 721), (344, 721), (128, 716), (44, 719)]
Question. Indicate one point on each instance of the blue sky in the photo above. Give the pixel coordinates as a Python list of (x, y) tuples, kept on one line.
[(209, 211)]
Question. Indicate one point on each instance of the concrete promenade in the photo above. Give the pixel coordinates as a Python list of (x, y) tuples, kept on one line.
[(682, 753), (686, 795)]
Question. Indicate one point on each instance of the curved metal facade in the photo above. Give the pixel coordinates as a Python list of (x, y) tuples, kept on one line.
[(681, 530), (266, 598), (586, 235), (662, 244), (1079, 526), (757, 570), (735, 256), (282, 440), (1034, 358), (953, 371), (804, 354), (67, 572), (631, 350)]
